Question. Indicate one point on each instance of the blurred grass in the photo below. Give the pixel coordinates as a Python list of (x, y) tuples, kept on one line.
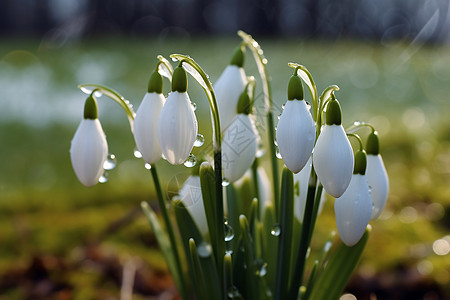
[(402, 89)]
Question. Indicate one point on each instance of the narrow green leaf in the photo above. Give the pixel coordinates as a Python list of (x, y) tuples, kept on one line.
[(252, 280), (209, 201), (269, 252), (341, 264), (310, 281), (233, 217), (285, 239), (200, 285), (164, 244)]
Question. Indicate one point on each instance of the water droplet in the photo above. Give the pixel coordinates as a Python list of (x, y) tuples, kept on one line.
[(283, 106), (264, 61), (225, 182), (229, 232), (110, 162), (194, 106), (276, 230), (229, 252), (104, 178), (278, 154), (261, 267), (357, 123), (260, 152), (190, 161), (233, 293), (199, 141), (275, 142), (279, 116), (137, 153), (148, 166), (204, 249), (308, 106)]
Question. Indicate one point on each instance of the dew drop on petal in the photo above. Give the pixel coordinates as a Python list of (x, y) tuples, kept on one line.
[(103, 178), (194, 106), (279, 116), (204, 249), (190, 161), (276, 230), (225, 182), (110, 162), (148, 166), (199, 141), (137, 153), (283, 106)]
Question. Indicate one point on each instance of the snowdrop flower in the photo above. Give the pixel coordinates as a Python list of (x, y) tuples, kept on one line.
[(146, 120), (296, 131), (354, 208), (177, 124), (333, 155), (191, 196), (229, 87), (240, 142), (376, 175), (89, 149)]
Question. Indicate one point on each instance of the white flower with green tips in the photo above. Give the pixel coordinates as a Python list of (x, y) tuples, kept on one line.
[(89, 149)]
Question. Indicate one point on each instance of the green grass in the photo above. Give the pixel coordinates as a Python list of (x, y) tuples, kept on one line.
[(402, 90)]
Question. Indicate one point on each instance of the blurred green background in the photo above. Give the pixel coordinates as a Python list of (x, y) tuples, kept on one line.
[(77, 240)]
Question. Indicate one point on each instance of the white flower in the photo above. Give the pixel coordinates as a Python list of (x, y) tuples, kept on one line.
[(301, 181), (191, 196), (88, 151), (353, 210), (146, 127), (296, 135), (177, 128), (333, 159), (239, 145), (378, 182), (228, 88)]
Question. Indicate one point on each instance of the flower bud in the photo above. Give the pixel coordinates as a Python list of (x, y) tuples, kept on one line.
[(333, 155), (239, 145), (191, 196), (353, 210), (296, 132), (89, 149), (377, 176)]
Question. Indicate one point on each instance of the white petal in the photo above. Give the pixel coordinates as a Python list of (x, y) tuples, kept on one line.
[(378, 182), (301, 180), (228, 88), (353, 210), (239, 145), (177, 128), (191, 196), (296, 135), (88, 151), (333, 159), (146, 127)]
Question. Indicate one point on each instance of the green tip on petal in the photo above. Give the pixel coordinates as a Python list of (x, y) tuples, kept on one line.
[(295, 88), (238, 57), (179, 80), (334, 113), (155, 84), (373, 145), (90, 108), (360, 162), (244, 104)]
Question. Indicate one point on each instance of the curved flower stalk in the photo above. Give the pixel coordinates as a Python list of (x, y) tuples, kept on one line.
[(229, 87), (354, 208), (89, 149), (376, 175), (296, 131), (240, 141), (333, 155), (146, 120), (177, 124)]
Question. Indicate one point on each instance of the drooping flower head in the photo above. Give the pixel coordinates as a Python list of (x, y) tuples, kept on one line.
[(146, 120), (296, 132), (240, 141), (376, 175), (177, 124), (229, 87), (354, 208), (89, 149), (333, 155)]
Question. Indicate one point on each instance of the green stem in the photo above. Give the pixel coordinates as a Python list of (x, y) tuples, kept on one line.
[(256, 187), (164, 62), (304, 74), (169, 228), (261, 63), (358, 125)]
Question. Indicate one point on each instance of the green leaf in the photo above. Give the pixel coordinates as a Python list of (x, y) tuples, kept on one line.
[(252, 280), (164, 245), (341, 264), (269, 252), (200, 285)]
